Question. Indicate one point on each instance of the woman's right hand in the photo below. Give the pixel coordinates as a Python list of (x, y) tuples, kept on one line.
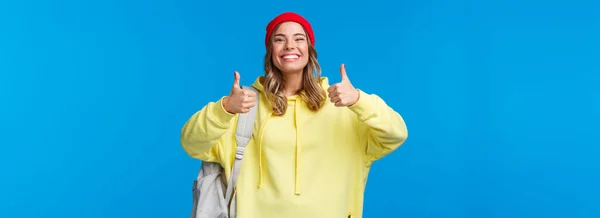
[(239, 100)]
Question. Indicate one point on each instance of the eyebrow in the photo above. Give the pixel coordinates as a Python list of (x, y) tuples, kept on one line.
[(297, 34)]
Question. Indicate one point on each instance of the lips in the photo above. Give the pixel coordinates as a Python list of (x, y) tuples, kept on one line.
[(290, 57)]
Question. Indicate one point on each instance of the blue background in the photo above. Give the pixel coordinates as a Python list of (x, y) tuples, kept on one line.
[(501, 99)]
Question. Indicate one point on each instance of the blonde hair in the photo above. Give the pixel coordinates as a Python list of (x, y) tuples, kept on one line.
[(311, 92)]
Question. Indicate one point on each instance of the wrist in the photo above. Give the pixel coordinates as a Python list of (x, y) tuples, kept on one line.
[(225, 104), (356, 98)]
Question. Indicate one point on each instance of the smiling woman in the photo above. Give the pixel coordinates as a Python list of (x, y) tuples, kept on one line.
[(308, 156), (291, 59)]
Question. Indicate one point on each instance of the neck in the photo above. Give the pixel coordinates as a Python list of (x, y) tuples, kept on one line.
[(293, 83)]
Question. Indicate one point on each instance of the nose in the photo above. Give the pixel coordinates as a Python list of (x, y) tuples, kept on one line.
[(290, 44)]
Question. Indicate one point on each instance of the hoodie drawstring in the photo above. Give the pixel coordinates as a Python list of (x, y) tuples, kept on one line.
[(260, 155), (297, 157), (297, 152)]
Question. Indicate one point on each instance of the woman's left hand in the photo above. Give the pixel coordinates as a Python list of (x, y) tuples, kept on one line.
[(343, 94)]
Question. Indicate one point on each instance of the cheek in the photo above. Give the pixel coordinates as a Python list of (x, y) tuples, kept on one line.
[(305, 53), (305, 59), (274, 53), (275, 60)]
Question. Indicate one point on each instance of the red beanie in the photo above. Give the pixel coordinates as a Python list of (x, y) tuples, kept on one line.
[(289, 16)]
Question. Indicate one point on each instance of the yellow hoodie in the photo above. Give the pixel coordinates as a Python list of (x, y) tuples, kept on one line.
[(303, 164)]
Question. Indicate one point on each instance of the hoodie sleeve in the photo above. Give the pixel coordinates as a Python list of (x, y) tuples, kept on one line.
[(202, 135), (381, 129)]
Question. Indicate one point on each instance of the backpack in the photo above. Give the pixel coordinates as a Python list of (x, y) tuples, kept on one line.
[(212, 195)]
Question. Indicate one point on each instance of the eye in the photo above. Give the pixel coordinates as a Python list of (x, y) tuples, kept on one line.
[(278, 40), (299, 39)]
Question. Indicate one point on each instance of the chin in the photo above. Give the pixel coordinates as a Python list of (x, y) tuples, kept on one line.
[(291, 67)]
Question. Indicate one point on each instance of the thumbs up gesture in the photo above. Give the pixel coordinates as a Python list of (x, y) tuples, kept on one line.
[(343, 94), (239, 100)]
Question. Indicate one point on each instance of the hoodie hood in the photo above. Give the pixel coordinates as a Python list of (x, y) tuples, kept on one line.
[(300, 116)]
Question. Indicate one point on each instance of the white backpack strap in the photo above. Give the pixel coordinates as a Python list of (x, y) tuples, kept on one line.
[(243, 135)]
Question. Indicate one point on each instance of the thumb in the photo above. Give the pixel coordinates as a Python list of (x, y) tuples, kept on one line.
[(343, 72), (236, 79)]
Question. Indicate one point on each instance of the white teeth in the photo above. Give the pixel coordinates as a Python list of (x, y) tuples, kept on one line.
[(290, 56)]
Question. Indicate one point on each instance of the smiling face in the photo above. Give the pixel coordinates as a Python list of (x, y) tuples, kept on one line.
[(290, 48)]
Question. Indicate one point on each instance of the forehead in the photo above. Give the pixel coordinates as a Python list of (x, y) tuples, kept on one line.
[(289, 28)]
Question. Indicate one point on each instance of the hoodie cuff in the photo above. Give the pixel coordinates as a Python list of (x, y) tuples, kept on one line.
[(364, 106), (219, 113)]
